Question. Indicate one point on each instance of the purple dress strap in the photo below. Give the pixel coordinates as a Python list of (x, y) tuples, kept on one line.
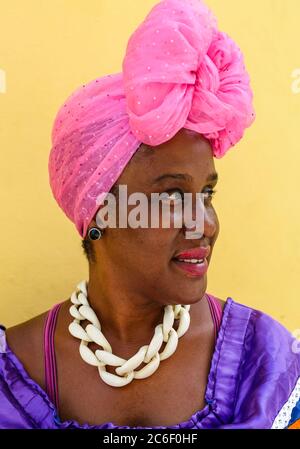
[(216, 312), (51, 385)]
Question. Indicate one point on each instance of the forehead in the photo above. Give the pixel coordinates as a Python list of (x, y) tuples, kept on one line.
[(187, 151)]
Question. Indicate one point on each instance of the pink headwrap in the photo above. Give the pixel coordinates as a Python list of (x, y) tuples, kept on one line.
[(179, 71)]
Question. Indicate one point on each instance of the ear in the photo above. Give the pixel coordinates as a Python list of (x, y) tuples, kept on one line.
[(92, 224)]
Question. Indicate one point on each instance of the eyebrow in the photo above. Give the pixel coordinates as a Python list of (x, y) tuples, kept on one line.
[(210, 178)]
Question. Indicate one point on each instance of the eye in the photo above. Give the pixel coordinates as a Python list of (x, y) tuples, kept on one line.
[(177, 195), (174, 196), (210, 193)]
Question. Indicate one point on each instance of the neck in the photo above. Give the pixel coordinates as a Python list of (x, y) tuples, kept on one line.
[(125, 316), (128, 318)]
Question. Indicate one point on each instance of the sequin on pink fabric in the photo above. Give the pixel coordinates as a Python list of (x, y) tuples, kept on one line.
[(179, 71)]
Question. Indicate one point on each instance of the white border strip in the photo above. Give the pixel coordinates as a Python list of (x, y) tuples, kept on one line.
[(283, 418)]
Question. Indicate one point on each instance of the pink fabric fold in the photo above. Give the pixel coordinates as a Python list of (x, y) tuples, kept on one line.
[(179, 71)]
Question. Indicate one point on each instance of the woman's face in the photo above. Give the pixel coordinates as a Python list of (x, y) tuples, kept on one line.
[(142, 258)]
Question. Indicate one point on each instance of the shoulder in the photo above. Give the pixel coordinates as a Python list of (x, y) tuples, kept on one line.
[(268, 350), (264, 331), (24, 403), (273, 352), (269, 331), (274, 356), (26, 341), (21, 364), (267, 360)]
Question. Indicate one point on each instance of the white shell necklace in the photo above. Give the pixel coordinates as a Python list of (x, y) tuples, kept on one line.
[(148, 354)]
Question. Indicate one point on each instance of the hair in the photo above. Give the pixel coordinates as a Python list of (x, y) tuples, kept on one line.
[(88, 249)]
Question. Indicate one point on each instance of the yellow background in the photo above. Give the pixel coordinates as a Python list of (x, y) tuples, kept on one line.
[(49, 48)]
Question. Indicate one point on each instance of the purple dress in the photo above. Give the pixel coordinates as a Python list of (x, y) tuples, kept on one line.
[(254, 381)]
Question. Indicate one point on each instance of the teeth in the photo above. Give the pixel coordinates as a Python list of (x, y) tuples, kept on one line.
[(192, 260)]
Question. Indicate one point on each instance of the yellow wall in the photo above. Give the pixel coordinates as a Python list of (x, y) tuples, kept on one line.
[(49, 48)]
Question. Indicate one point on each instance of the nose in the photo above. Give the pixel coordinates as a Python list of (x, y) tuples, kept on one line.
[(210, 223), (203, 222)]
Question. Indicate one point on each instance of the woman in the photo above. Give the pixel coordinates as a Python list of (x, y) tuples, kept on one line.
[(142, 344)]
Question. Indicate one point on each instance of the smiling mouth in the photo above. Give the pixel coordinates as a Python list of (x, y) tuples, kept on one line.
[(191, 267), (192, 261)]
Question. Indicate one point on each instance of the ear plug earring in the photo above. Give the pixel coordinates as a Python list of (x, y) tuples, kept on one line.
[(95, 233)]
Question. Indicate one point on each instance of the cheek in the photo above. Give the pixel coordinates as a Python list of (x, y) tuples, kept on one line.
[(159, 238), (155, 241), (153, 249), (142, 245)]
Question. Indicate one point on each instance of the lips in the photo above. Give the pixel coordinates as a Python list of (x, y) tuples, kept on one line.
[(201, 252), (192, 262)]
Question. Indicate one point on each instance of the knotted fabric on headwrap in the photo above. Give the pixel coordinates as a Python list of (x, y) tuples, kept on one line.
[(179, 71)]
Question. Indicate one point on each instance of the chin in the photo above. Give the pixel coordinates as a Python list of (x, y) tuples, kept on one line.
[(192, 290)]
